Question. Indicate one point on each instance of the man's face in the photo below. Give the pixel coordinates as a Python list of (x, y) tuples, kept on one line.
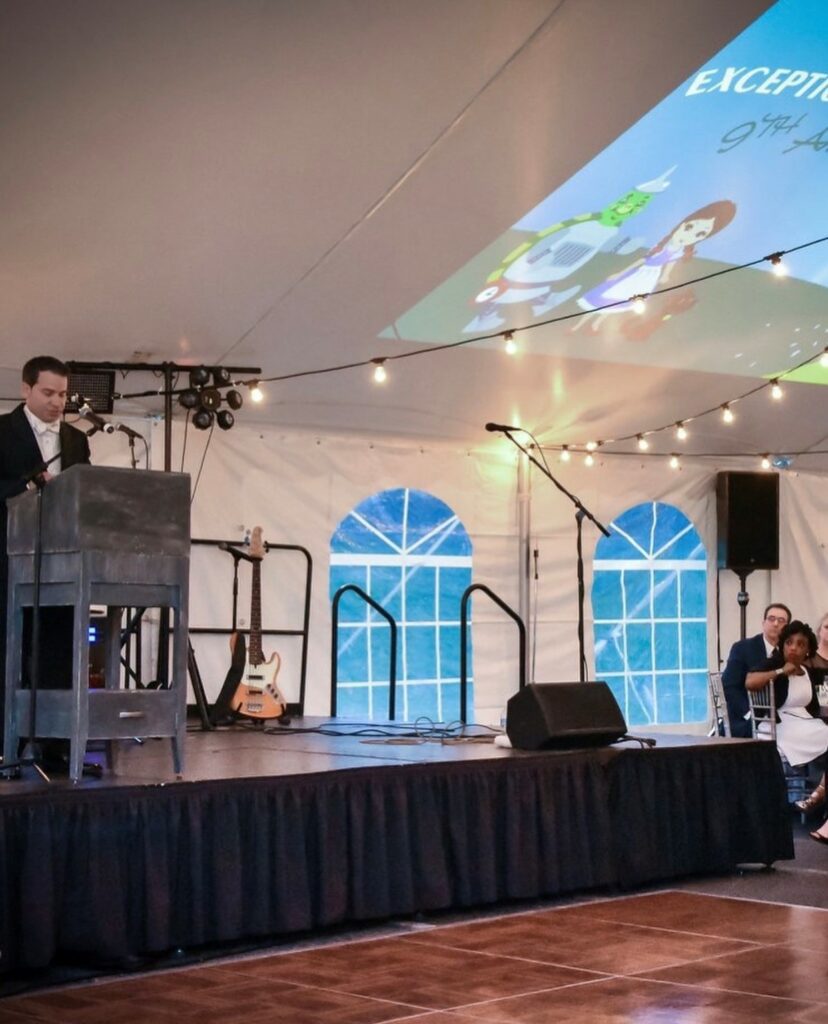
[(46, 398), (774, 621)]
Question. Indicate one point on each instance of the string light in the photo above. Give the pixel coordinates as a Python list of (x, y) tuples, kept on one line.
[(380, 373), (643, 443), (589, 459), (510, 343), (777, 266), (639, 304), (675, 463), (727, 413), (823, 359), (776, 391), (591, 446), (565, 454), (681, 431), (766, 462), (256, 393)]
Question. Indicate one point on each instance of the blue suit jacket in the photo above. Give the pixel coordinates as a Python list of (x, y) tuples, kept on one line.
[(745, 655)]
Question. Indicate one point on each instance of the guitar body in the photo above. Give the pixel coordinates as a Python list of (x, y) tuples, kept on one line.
[(257, 695)]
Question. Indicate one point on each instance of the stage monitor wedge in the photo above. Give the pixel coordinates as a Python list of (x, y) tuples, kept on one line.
[(563, 716), (747, 514)]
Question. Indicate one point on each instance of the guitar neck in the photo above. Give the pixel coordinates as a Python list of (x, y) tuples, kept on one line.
[(254, 646)]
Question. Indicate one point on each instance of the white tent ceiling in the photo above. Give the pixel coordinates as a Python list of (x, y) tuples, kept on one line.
[(272, 183)]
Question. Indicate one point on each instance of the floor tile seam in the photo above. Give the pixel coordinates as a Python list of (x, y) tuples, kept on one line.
[(731, 991), (629, 924), (765, 903), (515, 957), (710, 956)]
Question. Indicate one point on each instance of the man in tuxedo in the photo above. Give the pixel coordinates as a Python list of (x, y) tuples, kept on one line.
[(31, 435), (746, 655)]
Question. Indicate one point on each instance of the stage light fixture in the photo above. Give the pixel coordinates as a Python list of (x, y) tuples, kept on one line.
[(203, 419), (209, 398), (234, 399), (188, 399), (221, 376), (225, 419), (199, 376)]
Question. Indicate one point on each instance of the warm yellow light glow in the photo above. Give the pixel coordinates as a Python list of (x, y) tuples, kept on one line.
[(256, 393), (823, 359), (727, 414), (674, 462), (776, 391), (589, 460), (565, 455), (639, 304), (777, 266), (591, 446), (643, 443), (510, 343), (766, 462), (380, 373), (681, 431)]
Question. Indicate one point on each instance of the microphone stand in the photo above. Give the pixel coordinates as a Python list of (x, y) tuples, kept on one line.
[(581, 511)]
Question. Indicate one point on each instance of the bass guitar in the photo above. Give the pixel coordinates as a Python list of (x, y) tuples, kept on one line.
[(257, 694)]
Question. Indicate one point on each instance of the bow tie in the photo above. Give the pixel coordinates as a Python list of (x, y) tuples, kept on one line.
[(43, 428)]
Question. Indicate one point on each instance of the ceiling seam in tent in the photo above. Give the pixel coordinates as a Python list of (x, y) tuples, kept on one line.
[(401, 180)]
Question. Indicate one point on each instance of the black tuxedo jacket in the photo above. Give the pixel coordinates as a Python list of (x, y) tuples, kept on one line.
[(745, 656)]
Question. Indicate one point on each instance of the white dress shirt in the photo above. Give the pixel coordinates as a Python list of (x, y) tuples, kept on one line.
[(48, 439)]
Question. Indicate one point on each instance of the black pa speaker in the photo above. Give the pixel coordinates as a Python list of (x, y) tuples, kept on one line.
[(747, 514), (549, 716)]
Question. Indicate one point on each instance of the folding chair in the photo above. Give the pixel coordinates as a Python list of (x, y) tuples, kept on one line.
[(763, 726), (720, 725)]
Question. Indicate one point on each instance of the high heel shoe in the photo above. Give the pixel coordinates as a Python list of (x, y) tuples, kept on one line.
[(816, 799)]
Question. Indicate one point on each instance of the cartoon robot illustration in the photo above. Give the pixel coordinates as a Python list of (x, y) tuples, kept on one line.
[(528, 272)]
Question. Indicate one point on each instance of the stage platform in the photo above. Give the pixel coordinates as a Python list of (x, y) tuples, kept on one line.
[(281, 831)]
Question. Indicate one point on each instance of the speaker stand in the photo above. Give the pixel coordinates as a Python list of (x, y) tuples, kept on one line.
[(743, 597)]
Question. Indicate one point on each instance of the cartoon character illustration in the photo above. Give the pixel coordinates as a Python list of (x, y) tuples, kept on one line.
[(555, 253), (654, 269)]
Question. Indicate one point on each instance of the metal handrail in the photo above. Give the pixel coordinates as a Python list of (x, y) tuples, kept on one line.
[(464, 626), (389, 618)]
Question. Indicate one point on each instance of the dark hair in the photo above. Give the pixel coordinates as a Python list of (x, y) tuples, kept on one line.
[(776, 604), (797, 628), (43, 364)]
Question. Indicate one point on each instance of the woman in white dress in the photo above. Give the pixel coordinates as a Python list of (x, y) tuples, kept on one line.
[(801, 735)]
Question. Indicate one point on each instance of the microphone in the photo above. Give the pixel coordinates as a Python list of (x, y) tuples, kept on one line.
[(86, 412), (495, 427), (130, 433)]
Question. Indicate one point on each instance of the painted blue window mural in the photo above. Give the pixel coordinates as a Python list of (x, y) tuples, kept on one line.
[(411, 553), (649, 605)]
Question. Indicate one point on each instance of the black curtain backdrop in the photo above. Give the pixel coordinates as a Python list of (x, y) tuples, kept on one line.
[(144, 870)]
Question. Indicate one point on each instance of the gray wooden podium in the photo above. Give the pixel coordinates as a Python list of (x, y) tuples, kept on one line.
[(114, 537)]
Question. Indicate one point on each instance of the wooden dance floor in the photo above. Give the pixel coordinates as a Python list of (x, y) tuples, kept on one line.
[(280, 832)]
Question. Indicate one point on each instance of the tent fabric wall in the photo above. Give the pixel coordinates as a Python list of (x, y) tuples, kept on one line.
[(299, 486)]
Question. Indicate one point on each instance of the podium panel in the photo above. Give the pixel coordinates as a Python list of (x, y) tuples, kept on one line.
[(113, 537)]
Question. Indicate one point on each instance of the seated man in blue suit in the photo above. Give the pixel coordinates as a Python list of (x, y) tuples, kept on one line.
[(746, 655)]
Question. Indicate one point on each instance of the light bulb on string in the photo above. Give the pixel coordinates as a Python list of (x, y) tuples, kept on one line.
[(639, 304), (643, 443), (681, 431), (256, 393), (823, 359), (777, 266), (776, 390), (589, 459), (510, 345), (591, 446), (565, 454), (766, 462), (675, 462), (380, 373), (727, 413)]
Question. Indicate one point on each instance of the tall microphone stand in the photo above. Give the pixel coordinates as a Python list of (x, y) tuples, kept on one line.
[(581, 511)]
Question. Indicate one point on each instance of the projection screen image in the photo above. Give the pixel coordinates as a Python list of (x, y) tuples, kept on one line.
[(727, 169)]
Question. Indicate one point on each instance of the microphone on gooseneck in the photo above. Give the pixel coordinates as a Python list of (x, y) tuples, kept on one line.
[(499, 428), (86, 412)]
